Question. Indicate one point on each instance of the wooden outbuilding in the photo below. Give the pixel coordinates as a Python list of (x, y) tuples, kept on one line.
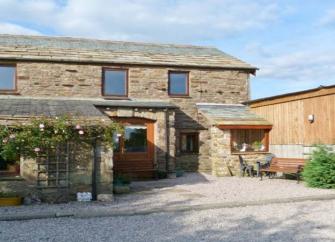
[(300, 120)]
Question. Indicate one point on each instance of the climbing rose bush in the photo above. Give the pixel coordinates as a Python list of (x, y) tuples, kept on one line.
[(39, 135)]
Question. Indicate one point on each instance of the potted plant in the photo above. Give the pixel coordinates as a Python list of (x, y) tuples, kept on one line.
[(179, 172), (121, 184), (257, 145), (10, 199)]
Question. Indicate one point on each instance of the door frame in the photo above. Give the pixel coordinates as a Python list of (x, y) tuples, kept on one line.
[(134, 158)]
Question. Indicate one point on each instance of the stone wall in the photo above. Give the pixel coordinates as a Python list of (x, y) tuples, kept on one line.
[(145, 82), (224, 163), (159, 116), (80, 177)]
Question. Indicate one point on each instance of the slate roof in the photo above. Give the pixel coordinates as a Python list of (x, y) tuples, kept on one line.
[(230, 114), (43, 107), (65, 49), (30, 107)]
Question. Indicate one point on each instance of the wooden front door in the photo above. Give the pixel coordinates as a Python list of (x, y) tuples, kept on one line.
[(134, 151)]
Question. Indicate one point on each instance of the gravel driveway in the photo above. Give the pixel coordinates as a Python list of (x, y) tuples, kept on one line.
[(305, 221), (191, 189)]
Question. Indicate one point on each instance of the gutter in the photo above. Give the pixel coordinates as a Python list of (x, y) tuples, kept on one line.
[(167, 140)]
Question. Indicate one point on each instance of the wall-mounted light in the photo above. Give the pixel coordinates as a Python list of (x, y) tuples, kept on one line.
[(311, 118)]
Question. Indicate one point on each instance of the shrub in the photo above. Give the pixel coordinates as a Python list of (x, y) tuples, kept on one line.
[(320, 169)]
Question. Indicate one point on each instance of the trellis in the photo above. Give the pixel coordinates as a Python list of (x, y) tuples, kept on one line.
[(53, 167)]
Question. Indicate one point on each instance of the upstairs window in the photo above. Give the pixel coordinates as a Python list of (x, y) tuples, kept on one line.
[(178, 83), (115, 83), (189, 143), (7, 78)]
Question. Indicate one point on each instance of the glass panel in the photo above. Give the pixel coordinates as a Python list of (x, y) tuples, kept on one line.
[(244, 140), (7, 78), (115, 82), (183, 143), (178, 83), (135, 139), (189, 143)]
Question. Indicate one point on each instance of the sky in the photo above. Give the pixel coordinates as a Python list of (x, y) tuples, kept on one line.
[(292, 42)]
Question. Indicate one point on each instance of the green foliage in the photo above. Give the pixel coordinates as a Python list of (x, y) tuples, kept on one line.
[(161, 174), (257, 145), (42, 134), (320, 169)]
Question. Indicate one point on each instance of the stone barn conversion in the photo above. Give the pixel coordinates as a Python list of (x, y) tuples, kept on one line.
[(300, 120), (180, 106)]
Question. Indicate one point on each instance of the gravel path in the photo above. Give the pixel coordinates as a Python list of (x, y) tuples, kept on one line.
[(191, 189), (305, 221)]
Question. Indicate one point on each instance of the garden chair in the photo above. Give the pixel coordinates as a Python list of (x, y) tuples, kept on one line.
[(245, 168), (264, 165)]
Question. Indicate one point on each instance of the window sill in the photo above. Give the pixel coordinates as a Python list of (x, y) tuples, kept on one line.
[(9, 93), (115, 98), (250, 152), (191, 153), (179, 96)]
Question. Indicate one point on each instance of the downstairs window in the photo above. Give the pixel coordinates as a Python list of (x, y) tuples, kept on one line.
[(189, 143), (249, 140)]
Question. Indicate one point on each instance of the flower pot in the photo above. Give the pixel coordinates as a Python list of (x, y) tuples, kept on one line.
[(179, 173), (10, 201)]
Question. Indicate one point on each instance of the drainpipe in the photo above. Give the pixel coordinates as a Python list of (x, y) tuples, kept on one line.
[(167, 140), (94, 170)]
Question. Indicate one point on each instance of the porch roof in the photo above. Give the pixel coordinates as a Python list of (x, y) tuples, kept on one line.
[(231, 115), (26, 107)]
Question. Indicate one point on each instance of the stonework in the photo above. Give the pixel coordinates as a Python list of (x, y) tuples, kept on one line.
[(84, 81), (41, 79), (55, 70), (80, 176), (224, 163), (160, 131)]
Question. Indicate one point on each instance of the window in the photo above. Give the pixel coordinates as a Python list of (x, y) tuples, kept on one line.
[(7, 78), (115, 82), (249, 140), (189, 142), (178, 83)]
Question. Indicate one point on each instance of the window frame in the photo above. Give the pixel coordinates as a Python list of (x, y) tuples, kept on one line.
[(14, 90), (196, 140), (187, 73), (126, 70), (265, 140)]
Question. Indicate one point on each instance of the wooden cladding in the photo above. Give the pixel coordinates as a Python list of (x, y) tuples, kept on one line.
[(245, 126), (290, 120)]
